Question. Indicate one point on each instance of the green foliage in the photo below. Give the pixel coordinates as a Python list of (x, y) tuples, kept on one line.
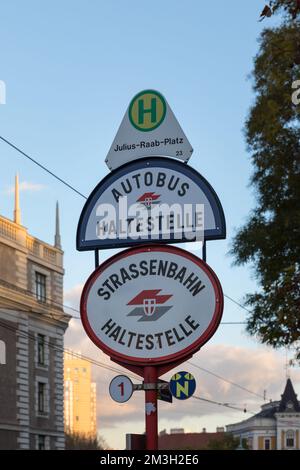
[(290, 7), (270, 239), (228, 442), (79, 441)]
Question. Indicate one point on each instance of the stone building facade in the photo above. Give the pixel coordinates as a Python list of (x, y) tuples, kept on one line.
[(32, 327)]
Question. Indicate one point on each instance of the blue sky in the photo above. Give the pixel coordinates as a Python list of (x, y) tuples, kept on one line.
[(70, 70)]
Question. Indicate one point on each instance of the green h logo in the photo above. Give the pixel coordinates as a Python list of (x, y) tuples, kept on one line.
[(147, 110), (143, 111)]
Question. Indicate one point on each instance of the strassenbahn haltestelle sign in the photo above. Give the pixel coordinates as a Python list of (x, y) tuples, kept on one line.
[(151, 304)]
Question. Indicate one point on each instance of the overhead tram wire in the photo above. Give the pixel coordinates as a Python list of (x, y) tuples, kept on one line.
[(66, 350), (72, 188), (52, 301), (225, 380), (226, 405), (104, 366), (68, 185), (116, 370), (46, 299), (192, 364), (61, 180), (97, 363), (237, 303)]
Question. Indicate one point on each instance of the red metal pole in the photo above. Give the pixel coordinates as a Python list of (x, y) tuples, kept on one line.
[(150, 377)]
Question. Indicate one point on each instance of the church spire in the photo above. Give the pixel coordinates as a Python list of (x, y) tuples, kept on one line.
[(289, 401), (57, 240), (17, 211)]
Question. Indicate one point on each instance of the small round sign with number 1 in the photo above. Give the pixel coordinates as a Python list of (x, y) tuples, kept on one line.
[(121, 388)]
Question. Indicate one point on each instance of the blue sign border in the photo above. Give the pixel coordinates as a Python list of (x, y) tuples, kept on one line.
[(148, 162)]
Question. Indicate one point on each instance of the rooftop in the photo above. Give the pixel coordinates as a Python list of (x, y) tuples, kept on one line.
[(288, 404), (188, 441), (289, 401), (14, 234)]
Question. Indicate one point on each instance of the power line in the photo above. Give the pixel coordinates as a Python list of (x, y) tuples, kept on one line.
[(61, 180), (104, 366), (66, 350), (33, 294), (237, 303), (43, 167), (117, 370), (225, 380), (97, 363), (226, 405), (52, 301)]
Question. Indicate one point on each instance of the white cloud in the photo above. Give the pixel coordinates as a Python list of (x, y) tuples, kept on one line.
[(26, 186), (72, 296), (256, 370)]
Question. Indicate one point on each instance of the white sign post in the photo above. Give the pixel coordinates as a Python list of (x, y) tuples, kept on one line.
[(153, 306)]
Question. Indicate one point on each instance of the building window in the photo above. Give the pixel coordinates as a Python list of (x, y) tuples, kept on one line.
[(245, 443), (41, 442), (40, 286), (2, 352), (41, 349), (267, 444), (290, 441), (41, 397)]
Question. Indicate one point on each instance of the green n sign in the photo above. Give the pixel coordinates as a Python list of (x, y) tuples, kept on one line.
[(182, 385)]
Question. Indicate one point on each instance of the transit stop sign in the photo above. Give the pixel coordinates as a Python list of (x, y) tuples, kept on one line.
[(150, 200), (121, 388), (151, 305), (149, 128), (182, 385)]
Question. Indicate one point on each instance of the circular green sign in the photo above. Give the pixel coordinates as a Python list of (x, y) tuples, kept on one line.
[(147, 110)]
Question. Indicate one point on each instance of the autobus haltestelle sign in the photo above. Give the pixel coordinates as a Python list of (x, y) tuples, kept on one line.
[(151, 304), (150, 200)]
